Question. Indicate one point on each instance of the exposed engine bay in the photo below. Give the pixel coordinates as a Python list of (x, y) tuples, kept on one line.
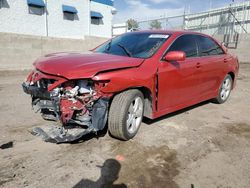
[(78, 104)]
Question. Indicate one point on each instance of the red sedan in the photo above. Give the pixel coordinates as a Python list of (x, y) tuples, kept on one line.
[(135, 75)]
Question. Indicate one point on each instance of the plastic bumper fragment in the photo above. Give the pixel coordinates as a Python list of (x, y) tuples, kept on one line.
[(60, 135), (35, 91)]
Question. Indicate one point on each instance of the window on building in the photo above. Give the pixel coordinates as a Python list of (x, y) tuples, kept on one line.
[(187, 44), (36, 6), (208, 46), (69, 12), (96, 18), (4, 4)]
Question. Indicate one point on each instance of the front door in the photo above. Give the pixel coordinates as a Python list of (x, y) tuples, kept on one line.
[(179, 81)]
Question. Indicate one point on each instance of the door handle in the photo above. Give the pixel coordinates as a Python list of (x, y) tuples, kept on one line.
[(225, 60), (198, 65)]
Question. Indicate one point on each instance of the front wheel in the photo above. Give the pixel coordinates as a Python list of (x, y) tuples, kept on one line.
[(225, 90), (125, 114)]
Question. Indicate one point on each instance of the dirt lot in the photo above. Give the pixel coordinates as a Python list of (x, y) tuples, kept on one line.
[(204, 146)]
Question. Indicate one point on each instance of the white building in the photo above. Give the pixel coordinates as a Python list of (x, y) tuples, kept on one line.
[(57, 18)]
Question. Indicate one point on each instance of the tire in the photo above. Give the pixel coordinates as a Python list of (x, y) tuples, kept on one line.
[(225, 90), (125, 114)]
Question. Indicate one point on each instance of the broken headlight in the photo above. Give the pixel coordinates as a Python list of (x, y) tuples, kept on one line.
[(55, 92)]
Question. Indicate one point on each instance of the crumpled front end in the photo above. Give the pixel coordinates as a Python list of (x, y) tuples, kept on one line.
[(79, 105)]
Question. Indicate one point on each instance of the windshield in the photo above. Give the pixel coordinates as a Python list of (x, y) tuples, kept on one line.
[(138, 45)]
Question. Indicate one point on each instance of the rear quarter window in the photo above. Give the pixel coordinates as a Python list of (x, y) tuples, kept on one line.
[(208, 47)]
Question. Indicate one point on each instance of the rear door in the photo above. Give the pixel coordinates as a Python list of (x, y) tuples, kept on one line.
[(178, 81), (212, 63)]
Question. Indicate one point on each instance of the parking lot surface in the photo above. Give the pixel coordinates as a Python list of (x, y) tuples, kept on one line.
[(207, 145)]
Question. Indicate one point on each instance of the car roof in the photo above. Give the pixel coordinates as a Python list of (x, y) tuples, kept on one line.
[(170, 32)]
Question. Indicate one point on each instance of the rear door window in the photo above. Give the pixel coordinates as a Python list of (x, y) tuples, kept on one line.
[(208, 47), (187, 44)]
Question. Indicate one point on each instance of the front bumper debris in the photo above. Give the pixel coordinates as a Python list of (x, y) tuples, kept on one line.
[(59, 135), (70, 133), (76, 104)]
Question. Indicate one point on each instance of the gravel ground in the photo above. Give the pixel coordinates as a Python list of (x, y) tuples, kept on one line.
[(207, 145)]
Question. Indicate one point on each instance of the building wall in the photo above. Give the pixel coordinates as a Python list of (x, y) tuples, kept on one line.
[(104, 28), (16, 17), (18, 52), (60, 26)]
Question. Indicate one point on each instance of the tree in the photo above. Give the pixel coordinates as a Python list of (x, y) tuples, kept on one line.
[(155, 24), (132, 24)]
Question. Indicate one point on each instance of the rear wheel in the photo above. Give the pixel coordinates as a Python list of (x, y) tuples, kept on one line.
[(225, 90), (125, 114)]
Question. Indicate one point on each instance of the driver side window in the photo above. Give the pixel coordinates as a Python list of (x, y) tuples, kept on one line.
[(187, 44)]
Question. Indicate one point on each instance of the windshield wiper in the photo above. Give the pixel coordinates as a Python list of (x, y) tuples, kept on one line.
[(125, 50)]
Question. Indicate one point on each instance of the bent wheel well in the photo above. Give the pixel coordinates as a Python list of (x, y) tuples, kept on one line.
[(232, 75), (148, 110)]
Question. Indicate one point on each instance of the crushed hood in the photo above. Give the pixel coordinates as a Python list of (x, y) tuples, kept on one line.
[(80, 65)]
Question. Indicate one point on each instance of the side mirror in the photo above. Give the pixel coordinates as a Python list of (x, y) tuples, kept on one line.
[(175, 56)]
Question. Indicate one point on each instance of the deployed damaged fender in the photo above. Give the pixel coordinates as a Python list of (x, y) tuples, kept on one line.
[(100, 114)]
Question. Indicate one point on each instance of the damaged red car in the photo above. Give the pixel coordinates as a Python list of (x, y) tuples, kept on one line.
[(135, 75)]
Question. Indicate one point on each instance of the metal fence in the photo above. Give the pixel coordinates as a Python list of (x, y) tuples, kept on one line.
[(228, 22), (175, 22)]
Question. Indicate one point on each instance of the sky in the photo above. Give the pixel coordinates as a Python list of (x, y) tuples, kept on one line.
[(149, 9)]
